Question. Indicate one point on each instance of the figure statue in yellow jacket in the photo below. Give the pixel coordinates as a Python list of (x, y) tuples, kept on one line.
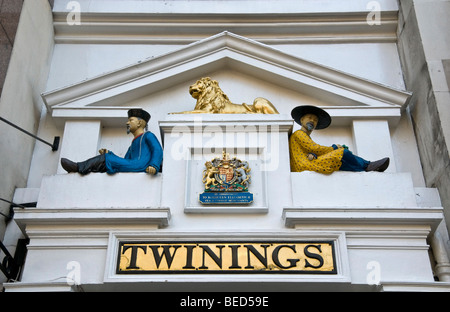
[(305, 154)]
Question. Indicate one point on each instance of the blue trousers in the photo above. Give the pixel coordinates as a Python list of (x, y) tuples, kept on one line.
[(351, 162)]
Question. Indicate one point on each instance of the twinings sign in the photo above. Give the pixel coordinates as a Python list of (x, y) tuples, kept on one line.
[(224, 257)]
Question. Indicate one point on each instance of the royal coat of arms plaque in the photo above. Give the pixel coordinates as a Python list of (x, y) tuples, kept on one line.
[(226, 181)]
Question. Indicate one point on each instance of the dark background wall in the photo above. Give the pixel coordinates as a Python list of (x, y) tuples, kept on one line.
[(9, 20)]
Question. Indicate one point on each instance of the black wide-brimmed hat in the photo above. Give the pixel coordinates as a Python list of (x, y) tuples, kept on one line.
[(140, 113), (324, 118)]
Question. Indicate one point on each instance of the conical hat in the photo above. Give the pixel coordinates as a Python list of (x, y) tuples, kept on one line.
[(324, 118)]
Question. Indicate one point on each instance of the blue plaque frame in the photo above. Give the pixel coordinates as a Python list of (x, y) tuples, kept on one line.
[(223, 198)]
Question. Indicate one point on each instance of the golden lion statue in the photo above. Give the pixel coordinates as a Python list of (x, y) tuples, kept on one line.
[(211, 99)]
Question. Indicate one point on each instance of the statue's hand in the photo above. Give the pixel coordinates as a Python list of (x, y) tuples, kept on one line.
[(103, 151), (312, 156), (150, 170)]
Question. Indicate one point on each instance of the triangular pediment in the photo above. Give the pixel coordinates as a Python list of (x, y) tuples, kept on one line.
[(104, 96)]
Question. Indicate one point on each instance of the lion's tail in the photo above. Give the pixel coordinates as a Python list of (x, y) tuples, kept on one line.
[(262, 103), (249, 108)]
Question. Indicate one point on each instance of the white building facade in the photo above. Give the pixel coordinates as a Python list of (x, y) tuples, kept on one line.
[(303, 231)]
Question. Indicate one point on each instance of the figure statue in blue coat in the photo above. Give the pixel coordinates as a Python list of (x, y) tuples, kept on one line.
[(144, 155)]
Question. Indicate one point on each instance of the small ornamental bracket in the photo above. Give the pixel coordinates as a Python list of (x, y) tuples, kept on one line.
[(226, 181)]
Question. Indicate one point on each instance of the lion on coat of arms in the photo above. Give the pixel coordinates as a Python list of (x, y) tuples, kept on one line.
[(208, 175), (211, 99)]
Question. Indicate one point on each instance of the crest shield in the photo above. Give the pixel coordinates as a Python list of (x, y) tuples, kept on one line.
[(230, 176), (226, 175)]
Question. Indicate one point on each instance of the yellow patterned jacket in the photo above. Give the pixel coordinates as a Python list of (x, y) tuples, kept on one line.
[(300, 145)]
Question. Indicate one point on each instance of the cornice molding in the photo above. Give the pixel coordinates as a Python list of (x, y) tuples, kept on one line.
[(227, 122), (425, 216), (276, 28), (75, 216)]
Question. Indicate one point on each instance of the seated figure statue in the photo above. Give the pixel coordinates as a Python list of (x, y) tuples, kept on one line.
[(144, 155), (305, 154)]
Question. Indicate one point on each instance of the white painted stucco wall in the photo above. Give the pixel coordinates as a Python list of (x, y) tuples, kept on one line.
[(21, 102), (362, 242)]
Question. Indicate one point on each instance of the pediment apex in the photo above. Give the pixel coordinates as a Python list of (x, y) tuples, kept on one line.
[(223, 50)]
